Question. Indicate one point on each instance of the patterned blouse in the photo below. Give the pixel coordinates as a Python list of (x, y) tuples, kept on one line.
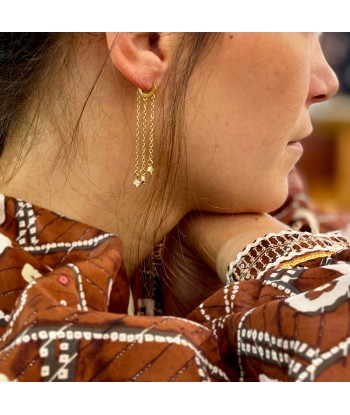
[(68, 312)]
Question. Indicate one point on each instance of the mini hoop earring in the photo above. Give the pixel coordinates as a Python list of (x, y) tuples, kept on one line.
[(140, 174)]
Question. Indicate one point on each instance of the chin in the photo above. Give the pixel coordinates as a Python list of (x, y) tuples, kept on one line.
[(270, 201), (277, 201)]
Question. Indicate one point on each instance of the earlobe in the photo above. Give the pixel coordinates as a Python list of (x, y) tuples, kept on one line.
[(137, 58)]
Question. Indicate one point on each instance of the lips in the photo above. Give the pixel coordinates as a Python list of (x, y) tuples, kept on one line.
[(291, 142)]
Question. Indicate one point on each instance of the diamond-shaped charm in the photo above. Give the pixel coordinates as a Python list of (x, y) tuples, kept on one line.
[(143, 179), (137, 182), (150, 170)]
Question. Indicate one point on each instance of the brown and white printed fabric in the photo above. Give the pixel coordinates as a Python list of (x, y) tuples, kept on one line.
[(64, 298), (65, 306)]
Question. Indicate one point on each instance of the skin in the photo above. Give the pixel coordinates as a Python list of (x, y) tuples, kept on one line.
[(254, 102), (249, 97)]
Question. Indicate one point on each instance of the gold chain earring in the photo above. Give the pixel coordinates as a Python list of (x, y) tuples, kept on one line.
[(140, 175)]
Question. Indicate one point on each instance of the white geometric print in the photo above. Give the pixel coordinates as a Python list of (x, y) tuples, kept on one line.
[(29, 273), (72, 334), (331, 296)]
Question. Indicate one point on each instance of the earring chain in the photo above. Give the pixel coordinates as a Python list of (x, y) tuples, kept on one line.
[(140, 175)]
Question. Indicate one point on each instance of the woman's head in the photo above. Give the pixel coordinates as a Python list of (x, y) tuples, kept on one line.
[(226, 107)]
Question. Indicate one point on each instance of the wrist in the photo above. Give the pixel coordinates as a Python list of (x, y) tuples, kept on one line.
[(248, 228), (218, 238)]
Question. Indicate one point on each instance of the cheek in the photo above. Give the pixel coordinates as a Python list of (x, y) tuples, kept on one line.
[(246, 113), (254, 90)]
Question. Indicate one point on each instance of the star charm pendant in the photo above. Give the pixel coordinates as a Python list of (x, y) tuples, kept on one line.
[(137, 182)]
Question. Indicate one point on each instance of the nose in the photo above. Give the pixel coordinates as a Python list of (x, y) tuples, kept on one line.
[(324, 83)]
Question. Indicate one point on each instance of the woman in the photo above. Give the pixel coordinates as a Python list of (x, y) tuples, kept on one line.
[(214, 128)]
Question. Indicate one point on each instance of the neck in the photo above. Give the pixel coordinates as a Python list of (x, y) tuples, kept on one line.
[(87, 195)]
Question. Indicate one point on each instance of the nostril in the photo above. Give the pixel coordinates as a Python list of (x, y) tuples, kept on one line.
[(319, 98)]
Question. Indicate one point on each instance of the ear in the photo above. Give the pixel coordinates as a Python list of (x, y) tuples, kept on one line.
[(141, 57)]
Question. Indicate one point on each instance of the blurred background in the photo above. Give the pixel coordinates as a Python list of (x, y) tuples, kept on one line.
[(325, 165)]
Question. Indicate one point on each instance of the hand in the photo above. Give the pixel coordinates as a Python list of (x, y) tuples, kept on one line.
[(218, 238), (198, 251), (187, 279)]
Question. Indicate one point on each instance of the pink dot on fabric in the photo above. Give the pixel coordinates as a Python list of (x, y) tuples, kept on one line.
[(63, 280)]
